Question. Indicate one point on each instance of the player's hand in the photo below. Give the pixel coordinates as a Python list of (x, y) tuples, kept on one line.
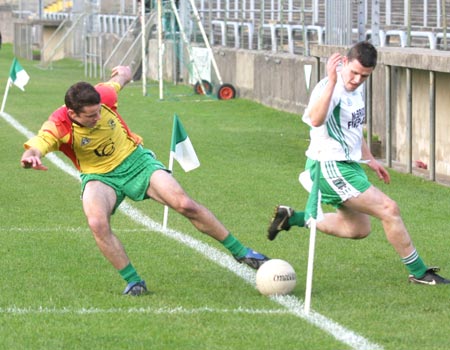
[(32, 162), (121, 70), (380, 171), (332, 64), (121, 75)]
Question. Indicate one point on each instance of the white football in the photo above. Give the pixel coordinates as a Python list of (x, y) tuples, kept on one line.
[(276, 277)]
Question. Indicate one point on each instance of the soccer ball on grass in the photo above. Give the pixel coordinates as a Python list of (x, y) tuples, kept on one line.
[(276, 277)]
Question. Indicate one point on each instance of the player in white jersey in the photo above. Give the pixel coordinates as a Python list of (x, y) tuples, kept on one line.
[(336, 114), (339, 138)]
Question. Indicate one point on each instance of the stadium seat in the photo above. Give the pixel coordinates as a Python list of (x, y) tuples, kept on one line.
[(401, 35), (237, 27), (429, 35)]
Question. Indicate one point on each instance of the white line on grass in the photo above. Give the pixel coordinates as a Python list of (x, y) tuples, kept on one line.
[(291, 303), (15, 310), (61, 228)]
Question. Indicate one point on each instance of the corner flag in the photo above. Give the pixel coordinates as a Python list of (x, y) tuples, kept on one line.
[(182, 150), (313, 204), (17, 75), (181, 147)]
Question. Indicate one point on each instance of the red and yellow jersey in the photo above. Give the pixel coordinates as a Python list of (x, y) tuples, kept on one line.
[(92, 150)]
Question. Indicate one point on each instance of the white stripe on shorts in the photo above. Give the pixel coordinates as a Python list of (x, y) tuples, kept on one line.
[(337, 181)]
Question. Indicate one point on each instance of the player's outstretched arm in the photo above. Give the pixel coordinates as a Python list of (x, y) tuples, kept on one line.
[(121, 75), (31, 158)]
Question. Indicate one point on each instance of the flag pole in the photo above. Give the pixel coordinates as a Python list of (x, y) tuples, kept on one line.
[(5, 95), (309, 274), (313, 213)]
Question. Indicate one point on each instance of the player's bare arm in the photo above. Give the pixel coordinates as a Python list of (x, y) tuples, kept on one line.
[(31, 158), (121, 75), (374, 164), (319, 109)]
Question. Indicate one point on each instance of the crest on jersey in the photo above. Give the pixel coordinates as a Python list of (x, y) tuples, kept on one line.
[(112, 123), (85, 141)]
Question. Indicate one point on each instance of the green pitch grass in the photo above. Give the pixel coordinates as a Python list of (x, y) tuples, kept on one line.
[(58, 292)]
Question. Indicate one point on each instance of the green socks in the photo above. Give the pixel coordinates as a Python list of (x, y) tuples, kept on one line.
[(129, 274), (297, 219), (234, 246), (414, 264)]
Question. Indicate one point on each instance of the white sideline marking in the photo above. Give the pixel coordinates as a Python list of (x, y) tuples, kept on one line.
[(291, 303), (14, 310), (62, 228)]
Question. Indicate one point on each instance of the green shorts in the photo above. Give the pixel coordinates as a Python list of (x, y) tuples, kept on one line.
[(131, 178), (339, 181)]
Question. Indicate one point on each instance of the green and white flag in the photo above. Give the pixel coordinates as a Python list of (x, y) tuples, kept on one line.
[(18, 76), (181, 147), (313, 207)]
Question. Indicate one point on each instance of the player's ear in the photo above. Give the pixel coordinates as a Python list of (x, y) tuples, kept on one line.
[(71, 113)]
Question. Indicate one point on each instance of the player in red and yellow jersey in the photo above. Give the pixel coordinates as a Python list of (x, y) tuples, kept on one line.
[(113, 164)]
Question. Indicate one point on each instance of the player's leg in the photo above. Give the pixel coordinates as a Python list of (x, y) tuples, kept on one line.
[(98, 204), (374, 202), (345, 223), (166, 190), (339, 182)]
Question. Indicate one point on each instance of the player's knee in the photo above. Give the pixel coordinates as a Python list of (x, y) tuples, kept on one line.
[(186, 206), (97, 224), (391, 208)]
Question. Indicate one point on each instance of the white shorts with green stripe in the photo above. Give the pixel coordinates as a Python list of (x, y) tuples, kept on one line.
[(339, 180)]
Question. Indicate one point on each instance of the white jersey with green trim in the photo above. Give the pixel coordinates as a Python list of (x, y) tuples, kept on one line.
[(340, 137)]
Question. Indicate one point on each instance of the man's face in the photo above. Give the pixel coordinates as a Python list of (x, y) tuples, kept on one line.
[(354, 73), (88, 117)]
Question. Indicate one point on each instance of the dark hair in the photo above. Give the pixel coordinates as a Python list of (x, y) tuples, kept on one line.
[(80, 95), (365, 53)]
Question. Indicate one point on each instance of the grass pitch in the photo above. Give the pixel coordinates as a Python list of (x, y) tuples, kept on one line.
[(58, 292)]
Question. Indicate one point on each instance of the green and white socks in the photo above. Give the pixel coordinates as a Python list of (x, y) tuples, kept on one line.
[(415, 265)]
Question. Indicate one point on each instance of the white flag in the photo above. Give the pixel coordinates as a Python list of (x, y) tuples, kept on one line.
[(181, 147), (18, 76)]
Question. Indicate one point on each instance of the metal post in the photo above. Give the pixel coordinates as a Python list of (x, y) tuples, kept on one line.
[(361, 20), (408, 22), (41, 9), (281, 19), (376, 22), (388, 12), (409, 118), (316, 11), (144, 55), (432, 126), (444, 23), (369, 121), (305, 32), (260, 26), (439, 5), (387, 73)]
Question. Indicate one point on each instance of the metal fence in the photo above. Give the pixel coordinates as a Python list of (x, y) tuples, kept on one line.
[(288, 25)]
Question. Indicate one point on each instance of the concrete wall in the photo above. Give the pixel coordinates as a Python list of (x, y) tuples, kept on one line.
[(279, 81), (6, 27)]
